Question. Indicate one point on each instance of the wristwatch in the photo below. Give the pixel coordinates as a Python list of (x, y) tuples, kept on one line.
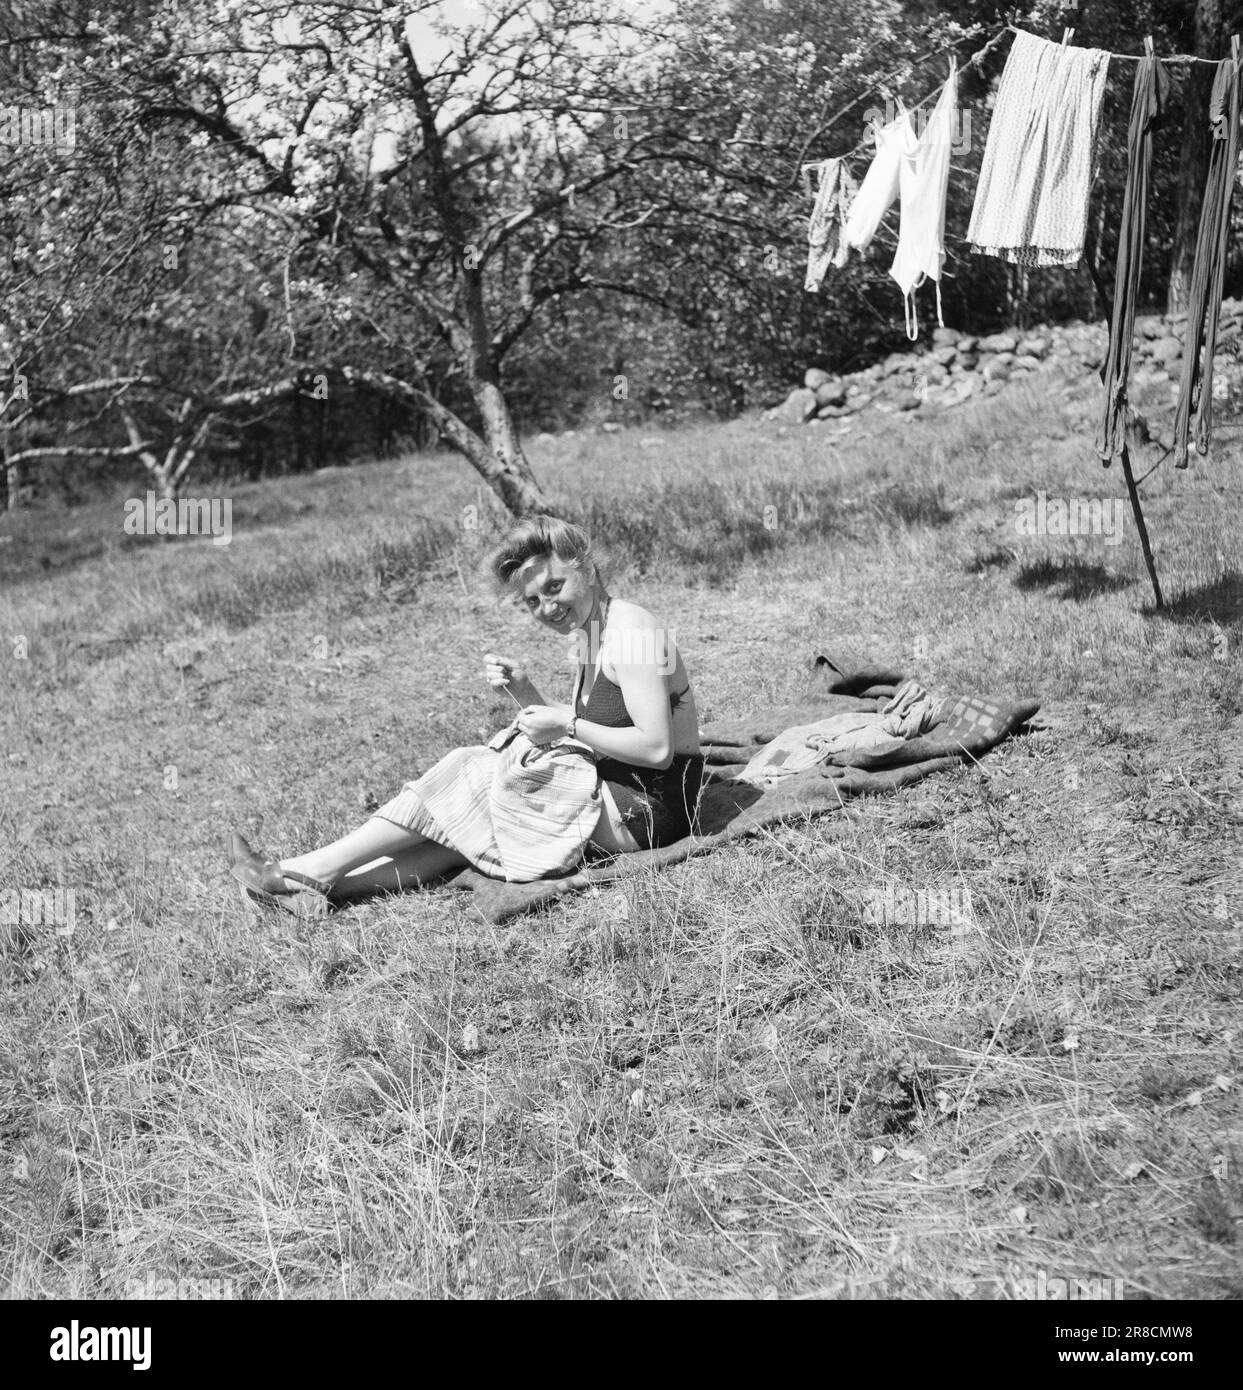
[(570, 727)]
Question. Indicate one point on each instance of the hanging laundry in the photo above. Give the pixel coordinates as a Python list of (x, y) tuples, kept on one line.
[(923, 181), (880, 184), (1148, 102), (825, 243), (1031, 204), (1208, 271)]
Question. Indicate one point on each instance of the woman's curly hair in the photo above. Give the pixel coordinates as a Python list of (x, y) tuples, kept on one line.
[(533, 538)]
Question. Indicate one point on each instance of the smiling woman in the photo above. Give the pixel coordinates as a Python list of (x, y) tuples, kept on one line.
[(615, 770)]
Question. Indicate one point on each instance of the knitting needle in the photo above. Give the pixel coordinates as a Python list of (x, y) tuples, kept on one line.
[(510, 693), (503, 686)]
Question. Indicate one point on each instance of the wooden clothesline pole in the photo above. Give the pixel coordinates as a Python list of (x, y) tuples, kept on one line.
[(1132, 487), (1139, 521)]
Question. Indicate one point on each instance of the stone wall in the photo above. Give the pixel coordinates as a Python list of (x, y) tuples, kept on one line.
[(952, 367)]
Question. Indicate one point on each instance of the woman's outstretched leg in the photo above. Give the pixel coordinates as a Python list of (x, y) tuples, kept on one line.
[(376, 839), (414, 867)]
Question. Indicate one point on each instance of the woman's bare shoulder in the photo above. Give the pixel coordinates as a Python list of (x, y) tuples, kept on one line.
[(623, 613), (635, 636)]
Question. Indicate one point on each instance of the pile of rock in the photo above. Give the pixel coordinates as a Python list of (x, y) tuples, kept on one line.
[(953, 367)]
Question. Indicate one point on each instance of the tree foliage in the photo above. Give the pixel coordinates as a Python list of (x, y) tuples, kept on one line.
[(274, 216)]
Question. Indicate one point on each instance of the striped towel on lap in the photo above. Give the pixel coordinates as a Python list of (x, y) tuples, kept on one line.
[(516, 811)]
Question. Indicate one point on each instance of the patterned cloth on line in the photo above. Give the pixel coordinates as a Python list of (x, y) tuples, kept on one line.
[(967, 727), (1031, 202), (516, 811), (825, 244)]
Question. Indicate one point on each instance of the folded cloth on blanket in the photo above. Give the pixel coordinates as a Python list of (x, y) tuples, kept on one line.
[(517, 810), (803, 746), (855, 738), (965, 728), (911, 711)]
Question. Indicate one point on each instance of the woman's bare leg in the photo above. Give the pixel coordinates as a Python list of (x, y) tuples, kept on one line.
[(409, 868), (612, 834), (376, 839)]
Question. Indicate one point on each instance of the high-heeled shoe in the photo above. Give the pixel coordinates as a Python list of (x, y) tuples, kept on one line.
[(265, 884)]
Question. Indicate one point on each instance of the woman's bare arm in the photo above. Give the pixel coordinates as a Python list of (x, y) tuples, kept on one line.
[(639, 659)]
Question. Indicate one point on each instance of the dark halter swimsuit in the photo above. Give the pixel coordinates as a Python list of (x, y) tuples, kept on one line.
[(657, 804)]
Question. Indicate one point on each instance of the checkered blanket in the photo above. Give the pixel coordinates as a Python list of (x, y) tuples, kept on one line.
[(967, 727)]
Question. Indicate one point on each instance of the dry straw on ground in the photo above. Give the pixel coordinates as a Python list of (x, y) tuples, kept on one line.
[(727, 1079)]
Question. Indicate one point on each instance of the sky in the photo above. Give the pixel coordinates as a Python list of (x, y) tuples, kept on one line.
[(435, 31), (431, 47)]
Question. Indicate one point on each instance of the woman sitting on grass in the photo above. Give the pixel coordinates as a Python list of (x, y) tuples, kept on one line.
[(632, 712)]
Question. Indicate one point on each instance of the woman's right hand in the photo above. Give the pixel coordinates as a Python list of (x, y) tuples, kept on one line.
[(500, 671)]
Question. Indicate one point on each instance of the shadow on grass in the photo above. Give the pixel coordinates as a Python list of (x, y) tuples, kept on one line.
[(31, 549), (713, 529), (48, 537), (1220, 602), (708, 529), (997, 558), (387, 567), (1071, 578), (911, 504)]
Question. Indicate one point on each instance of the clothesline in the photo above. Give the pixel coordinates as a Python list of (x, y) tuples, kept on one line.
[(1171, 58), (975, 59), (978, 57), (1020, 214), (1031, 207), (917, 62), (1136, 57)]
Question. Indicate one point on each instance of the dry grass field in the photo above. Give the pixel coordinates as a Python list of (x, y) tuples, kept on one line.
[(727, 1079)]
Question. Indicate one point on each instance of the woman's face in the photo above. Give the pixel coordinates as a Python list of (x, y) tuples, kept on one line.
[(556, 593)]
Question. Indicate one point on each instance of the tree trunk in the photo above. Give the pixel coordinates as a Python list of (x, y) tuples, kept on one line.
[(1193, 166), (299, 435), (498, 456), (520, 490), (12, 480), (11, 468), (499, 461)]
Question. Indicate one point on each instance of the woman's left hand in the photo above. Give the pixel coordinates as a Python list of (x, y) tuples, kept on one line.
[(544, 723)]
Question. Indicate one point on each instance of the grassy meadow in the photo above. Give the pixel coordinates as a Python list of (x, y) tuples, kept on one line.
[(727, 1079)]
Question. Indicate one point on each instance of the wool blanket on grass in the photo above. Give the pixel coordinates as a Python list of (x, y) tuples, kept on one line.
[(968, 726)]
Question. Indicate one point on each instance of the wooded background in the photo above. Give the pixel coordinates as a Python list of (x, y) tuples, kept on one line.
[(287, 235)]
